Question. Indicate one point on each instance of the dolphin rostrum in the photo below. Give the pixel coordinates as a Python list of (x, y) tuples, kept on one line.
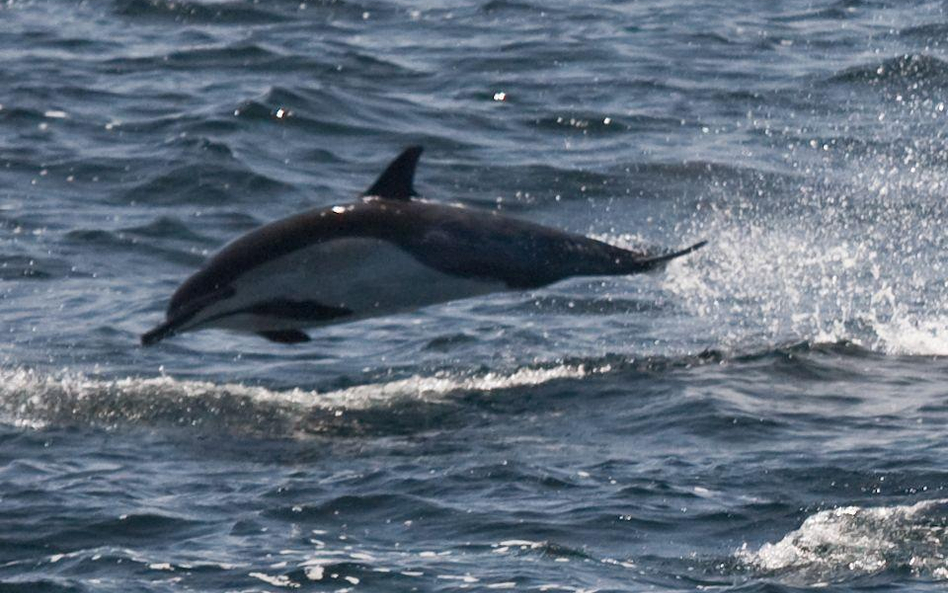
[(383, 254)]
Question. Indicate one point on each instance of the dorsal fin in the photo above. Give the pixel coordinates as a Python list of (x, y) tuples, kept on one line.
[(395, 183)]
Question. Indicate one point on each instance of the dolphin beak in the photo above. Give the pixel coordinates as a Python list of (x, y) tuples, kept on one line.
[(159, 333)]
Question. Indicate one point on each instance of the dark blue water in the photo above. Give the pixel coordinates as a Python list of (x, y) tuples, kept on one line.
[(768, 414)]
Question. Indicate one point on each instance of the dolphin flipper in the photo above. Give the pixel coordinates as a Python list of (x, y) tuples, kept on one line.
[(285, 336)]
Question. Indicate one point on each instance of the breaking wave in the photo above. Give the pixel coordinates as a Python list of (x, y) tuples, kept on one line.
[(849, 542), (30, 398)]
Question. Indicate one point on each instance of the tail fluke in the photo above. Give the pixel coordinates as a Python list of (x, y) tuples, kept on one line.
[(653, 262)]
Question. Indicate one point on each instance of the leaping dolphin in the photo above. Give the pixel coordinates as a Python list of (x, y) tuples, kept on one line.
[(383, 254)]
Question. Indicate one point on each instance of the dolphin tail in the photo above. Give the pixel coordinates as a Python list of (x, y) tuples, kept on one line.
[(654, 262)]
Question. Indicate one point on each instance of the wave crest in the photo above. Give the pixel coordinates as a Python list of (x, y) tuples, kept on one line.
[(850, 542), (905, 68), (32, 399)]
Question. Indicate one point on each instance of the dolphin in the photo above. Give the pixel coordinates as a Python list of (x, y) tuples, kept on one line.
[(383, 254)]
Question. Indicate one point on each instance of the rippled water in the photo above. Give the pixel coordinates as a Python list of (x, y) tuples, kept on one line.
[(767, 414)]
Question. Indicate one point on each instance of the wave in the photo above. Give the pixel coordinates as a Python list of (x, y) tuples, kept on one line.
[(167, 227), (26, 267), (845, 543), (30, 398), (512, 6), (835, 12), (595, 123), (90, 168), (306, 109), (242, 56), (21, 115), (908, 68), (553, 304), (204, 184), (233, 12), (114, 242), (933, 33)]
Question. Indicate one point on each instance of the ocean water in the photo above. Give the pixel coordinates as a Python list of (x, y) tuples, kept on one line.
[(768, 414)]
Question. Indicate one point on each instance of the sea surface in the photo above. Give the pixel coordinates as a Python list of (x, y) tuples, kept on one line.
[(769, 414)]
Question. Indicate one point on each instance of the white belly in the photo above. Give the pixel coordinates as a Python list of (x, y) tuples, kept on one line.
[(369, 277)]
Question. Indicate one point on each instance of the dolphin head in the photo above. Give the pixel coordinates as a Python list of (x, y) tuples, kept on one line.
[(184, 311)]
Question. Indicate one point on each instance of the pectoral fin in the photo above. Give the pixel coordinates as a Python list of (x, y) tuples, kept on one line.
[(285, 336)]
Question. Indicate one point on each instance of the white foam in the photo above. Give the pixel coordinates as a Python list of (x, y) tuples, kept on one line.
[(758, 284), (275, 580), (908, 335), (33, 399), (848, 542), (315, 573), (853, 250), (442, 384)]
